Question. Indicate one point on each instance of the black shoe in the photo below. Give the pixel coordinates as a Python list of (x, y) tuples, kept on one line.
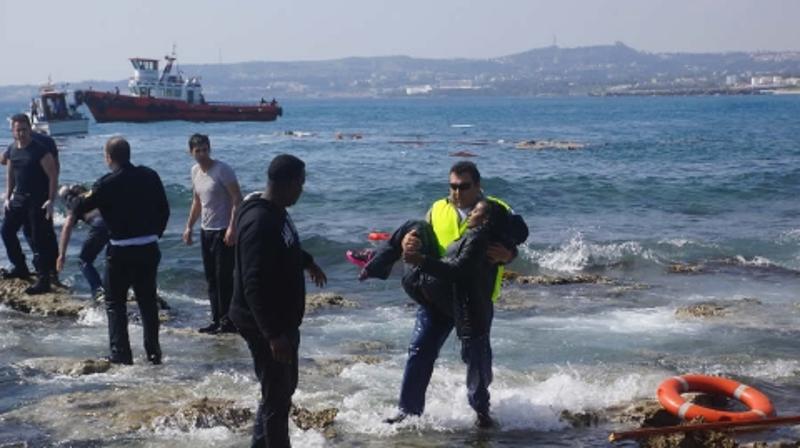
[(55, 281), (227, 327), (128, 361), (484, 421), (22, 274), (399, 417), (210, 329), (154, 358), (40, 287)]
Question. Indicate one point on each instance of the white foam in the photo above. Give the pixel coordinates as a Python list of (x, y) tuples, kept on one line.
[(577, 254), (755, 261), (767, 369), (462, 125), (659, 320), (519, 401), (92, 316)]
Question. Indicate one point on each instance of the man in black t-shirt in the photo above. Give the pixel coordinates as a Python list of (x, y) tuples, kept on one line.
[(30, 190), (52, 148)]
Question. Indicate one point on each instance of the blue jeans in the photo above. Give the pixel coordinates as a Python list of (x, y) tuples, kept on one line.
[(92, 246), (430, 332)]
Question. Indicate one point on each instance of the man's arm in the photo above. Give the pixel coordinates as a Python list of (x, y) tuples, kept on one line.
[(194, 213), (236, 198), (258, 248), (49, 165), (10, 183), (66, 233), (517, 233)]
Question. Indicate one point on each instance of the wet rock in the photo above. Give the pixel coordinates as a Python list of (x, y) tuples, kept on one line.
[(326, 300), (695, 439), (367, 346), (549, 144), (579, 419), (334, 366), (14, 445), (206, 413), (647, 413), (550, 280), (322, 420), (681, 268), (59, 302), (66, 366), (103, 414), (713, 309), (776, 444)]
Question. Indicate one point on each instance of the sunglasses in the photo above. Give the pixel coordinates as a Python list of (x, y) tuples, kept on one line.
[(461, 187)]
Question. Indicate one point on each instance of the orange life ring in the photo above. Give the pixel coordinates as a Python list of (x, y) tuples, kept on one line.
[(379, 236), (670, 390)]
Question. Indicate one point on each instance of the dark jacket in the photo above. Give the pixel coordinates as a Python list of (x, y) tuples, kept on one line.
[(269, 290), (131, 200), (465, 265)]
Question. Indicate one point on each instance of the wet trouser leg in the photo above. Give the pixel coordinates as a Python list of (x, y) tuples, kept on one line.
[(278, 383), (15, 217), (476, 352), (92, 246), (125, 267), (43, 241), (218, 268), (430, 332)]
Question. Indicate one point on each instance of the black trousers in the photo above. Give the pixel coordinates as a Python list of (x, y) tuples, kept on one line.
[(26, 212), (278, 383), (218, 266), (126, 267)]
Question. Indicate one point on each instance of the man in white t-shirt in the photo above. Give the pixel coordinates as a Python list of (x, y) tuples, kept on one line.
[(215, 198)]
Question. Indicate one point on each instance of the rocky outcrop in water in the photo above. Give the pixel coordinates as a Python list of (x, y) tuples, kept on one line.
[(59, 302), (327, 300), (549, 144), (682, 268), (713, 309), (321, 420), (549, 280), (65, 366), (206, 413)]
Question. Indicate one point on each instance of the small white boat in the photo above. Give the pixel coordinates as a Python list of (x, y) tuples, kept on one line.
[(52, 114)]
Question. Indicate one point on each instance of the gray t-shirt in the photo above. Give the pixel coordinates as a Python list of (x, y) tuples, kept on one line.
[(215, 200)]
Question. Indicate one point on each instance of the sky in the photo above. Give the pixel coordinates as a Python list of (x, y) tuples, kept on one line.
[(74, 40)]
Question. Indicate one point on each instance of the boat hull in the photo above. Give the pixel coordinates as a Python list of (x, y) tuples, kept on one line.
[(110, 107), (62, 127)]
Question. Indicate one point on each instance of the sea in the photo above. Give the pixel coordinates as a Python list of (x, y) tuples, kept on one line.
[(664, 203)]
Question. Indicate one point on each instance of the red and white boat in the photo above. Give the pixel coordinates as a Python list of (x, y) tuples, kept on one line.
[(163, 95)]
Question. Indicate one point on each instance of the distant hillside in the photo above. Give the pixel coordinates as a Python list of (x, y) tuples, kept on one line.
[(543, 71)]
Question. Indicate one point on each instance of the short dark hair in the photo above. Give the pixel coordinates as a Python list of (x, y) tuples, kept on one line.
[(118, 150), (20, 118), (467, 167), (199, 139), (285, 168)]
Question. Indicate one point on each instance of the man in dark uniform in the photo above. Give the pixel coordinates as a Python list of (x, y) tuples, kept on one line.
[(52, 148), (134, 206), (30, 191), (270, 294)]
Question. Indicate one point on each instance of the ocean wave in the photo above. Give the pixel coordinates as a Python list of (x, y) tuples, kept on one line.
[(92, 316), (578, 254), (519, 401)]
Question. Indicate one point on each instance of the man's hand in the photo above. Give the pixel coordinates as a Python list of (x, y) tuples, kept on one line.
[(230, 237), (411, 242), (187, 236), (414, 258), (317, 275), (60, 263), (281, 349), (48, 209), (499, 254)]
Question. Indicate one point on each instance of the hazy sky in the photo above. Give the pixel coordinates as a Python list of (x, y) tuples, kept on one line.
[(91, 39)]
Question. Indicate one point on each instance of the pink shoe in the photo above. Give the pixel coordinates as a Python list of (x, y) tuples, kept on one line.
[(360, 257)]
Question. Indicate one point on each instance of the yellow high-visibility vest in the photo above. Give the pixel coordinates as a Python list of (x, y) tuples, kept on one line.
[(448, 227)]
